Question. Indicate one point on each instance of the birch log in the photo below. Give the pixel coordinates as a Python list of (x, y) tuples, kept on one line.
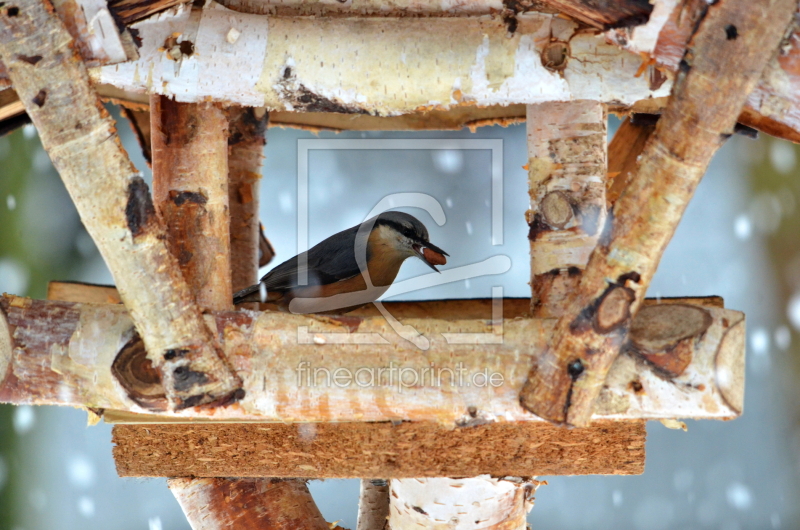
[(734, 42), (286, 63), (245, 153), (113, 202), (566, 179), (190, 191), (82, 355), (247, 504)]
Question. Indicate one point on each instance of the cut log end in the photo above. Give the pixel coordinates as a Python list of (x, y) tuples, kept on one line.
[(135, 372), (661, 334), (556, 209)]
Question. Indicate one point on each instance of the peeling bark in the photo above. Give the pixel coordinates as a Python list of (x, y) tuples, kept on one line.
[(247, 504), (566, 175), (112, 200), (63, 353), (718, 73)]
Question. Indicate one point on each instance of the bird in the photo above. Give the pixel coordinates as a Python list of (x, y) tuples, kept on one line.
[(336, 284)]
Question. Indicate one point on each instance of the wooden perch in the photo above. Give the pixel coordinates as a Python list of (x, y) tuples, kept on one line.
[(190, 191), (245, 154), (377, 450), (719, 71), (113, 202), (566, 178), (247, 504), (373, 504), (83, 355)]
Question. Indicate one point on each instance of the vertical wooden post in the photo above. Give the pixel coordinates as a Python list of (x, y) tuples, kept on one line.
[(246, 142), (373, 505), (190, 145), (190, 191), (566, 177)]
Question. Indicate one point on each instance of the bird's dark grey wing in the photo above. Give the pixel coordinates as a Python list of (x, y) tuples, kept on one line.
[(330, 261)]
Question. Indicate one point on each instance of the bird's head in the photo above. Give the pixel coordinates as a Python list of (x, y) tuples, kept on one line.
[(409, 237)]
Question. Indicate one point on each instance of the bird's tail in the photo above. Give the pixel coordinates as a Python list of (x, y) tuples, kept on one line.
[(248, 294)]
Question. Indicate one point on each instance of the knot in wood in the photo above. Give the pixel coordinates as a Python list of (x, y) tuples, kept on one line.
[(556, 209), (614, 308), (555, 56)]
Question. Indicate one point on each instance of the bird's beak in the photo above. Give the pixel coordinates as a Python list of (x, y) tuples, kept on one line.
[(421, 255)]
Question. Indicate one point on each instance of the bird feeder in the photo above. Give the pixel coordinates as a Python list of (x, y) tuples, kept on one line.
[(201, 393)]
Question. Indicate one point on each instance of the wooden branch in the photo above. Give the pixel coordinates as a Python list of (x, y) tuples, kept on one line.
[(373, 505), (623, 153), (270, 63), (245, 153), (59, 346), (481, 503), (720, 71), (113, 202), (375, 450), (566, 174), (190, 191), (247, 504)]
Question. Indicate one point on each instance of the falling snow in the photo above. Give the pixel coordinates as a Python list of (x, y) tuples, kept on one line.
[(14, 276), (782, 156), (24, 419), (783, 338), (448, 161), (793, 311), (742, 227), (80, 471), (86, 507), (739, 496)]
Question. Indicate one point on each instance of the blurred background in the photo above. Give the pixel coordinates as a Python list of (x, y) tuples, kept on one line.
[(740, 239)]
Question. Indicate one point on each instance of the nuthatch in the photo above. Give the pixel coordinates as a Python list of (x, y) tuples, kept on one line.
[(347, 270)]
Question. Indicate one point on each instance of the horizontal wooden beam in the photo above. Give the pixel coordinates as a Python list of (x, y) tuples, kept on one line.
[(377, 66), (377, 450), (357, 368)]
